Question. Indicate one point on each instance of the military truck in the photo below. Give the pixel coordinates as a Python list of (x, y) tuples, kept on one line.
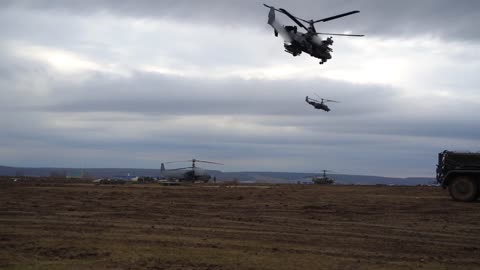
[(459, 172)]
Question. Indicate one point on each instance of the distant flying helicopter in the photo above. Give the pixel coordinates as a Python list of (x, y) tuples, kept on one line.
[(319, 105), (310, 42), (189, 174)]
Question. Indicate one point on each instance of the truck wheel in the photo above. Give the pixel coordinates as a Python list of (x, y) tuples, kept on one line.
[(463, 188)]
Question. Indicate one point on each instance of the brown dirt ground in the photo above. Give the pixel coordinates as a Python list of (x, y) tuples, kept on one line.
[(83, 226)]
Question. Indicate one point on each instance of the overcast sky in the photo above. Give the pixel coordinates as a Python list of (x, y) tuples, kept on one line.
[(106, 83)]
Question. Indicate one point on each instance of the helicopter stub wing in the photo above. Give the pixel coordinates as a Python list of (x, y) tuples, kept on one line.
[(277, 27)]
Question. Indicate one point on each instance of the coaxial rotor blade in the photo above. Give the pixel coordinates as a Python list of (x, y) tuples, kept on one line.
[(272, 7), (326, 100), (312, 99), (209, 162), (178, 161), (336, 16), (286, 12), (329, 100), (178, 169), (345, 35), (293, 18)]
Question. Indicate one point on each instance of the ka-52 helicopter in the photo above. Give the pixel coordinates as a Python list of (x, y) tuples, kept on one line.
[(188, 174), (310, 42), (319, 105), (323, 180)]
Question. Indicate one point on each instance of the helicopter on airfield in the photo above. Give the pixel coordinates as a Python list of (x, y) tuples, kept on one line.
[(187, 174), (310, 42), (324, 179), (319, 105)]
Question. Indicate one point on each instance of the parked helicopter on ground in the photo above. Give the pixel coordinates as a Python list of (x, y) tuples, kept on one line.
[(310, 42), (323, 180), (319, 105), (189, 174)]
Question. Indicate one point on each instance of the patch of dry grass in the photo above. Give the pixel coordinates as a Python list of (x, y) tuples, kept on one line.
[(82, 226)]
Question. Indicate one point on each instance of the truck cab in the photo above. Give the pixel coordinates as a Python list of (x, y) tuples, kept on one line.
[(459, 172)]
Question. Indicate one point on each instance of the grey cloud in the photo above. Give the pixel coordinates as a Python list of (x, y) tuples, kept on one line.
[(49, 118), (448, 19), (158, 94), (365, 109)]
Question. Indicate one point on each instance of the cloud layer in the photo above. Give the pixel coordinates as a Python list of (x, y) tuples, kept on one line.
[(112, 84)]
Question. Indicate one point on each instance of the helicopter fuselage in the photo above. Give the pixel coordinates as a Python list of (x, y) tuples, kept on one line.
[(308, 43), (188, 175), (319, 105)]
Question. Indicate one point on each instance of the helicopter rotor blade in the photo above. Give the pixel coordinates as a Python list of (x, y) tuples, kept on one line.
[(192, 160), (343, 35), (329, 100), (293, 18), (337, 16), (326, 100), (177, 161), (272, 7), (203, 161), (312, 99), (178, 169)]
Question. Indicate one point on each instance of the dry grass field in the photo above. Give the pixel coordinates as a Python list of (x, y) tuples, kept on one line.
[(83, 226)]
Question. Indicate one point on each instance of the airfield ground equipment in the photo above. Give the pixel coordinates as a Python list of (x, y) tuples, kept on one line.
[(296, 42), (459, 172)]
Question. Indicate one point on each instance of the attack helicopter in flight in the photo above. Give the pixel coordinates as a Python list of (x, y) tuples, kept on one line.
[(310, 42), (319, 105), (188, 174)]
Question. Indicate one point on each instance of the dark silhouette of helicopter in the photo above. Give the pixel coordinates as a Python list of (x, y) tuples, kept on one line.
[(310, 42), (319, 105), (188, 174), (323, 180)]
